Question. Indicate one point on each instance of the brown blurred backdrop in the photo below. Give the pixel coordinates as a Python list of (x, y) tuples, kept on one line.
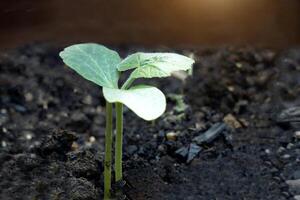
[(151, 22)]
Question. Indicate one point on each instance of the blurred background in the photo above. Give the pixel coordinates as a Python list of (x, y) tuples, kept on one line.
[(272, 23)]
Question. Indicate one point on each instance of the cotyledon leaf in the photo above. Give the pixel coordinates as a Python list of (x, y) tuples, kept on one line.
[(149, 65), (94, 62), (146, 101)]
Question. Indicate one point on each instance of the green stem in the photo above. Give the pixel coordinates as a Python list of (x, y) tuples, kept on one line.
[(127, 83), (119, 134), (108, 150), (119, 141)]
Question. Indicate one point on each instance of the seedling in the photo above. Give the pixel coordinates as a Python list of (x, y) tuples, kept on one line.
[(103, 67)]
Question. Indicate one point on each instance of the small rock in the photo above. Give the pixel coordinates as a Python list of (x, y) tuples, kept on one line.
[(286, 194), (20, 108), (280, 149), (230, 88), (286, 156), (92, 139), (231, 121), (74, 146), (239, 65), (297, 197), (28, 136), (276, 178), (88, 100), (171, 136), (274, 170), (138, 136), (267, 151), (244, 122), (161, 148), (28, 97), (297, 134), (289, 115), (211, 134), (3, 144), (78, 116), (200, 126), (3, 111), (290, 146), (294, 185)]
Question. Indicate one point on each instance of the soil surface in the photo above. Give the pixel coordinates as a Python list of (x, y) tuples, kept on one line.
[(231, 130)]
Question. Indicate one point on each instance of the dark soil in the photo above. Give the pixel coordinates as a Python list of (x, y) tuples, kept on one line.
[(52, 130)]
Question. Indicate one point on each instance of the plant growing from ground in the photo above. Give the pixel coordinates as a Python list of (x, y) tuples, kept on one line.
[(103, 67)]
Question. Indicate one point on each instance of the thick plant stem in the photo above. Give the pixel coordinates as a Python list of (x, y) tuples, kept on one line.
[(119, 141), (108, 151)]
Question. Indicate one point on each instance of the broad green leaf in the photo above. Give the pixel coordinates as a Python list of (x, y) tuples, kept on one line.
[(146, 101), (149, 65), (94, 62)]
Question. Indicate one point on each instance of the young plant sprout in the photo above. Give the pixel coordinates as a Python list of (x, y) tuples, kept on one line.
[(103, 66)]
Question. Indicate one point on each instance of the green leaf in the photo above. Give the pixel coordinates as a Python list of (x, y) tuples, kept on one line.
[(146, 101), (149, 65), (94, 62)]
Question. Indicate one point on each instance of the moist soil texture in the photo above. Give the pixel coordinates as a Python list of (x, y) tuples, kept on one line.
[(231, 129)]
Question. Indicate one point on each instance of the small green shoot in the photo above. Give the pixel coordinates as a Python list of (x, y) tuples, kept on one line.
[(102, 66), (180, 106)]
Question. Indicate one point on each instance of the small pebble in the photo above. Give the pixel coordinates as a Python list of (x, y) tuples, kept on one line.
[(28, 136), (297, 197), (49, 116), (294, 184), (286, 156), (239, 65), (267, 151), (276, 178), (88, 100), (45, 105), (3, 143), (231, 88), (99, 109), (286, 194), (28, 97), (297, 134), (161, 148), (74, 146), (92, 139), (232, 121), (280, 149), (171, 136), (289, 146), (138, 136), (200, 126)]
